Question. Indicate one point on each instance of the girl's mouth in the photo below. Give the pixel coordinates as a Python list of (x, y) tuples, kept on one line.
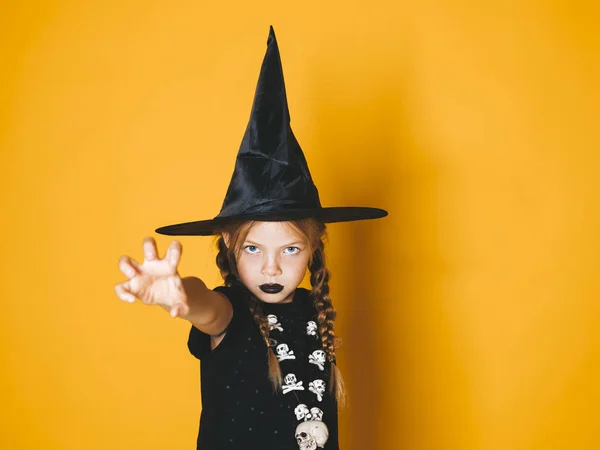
[(271, 288)]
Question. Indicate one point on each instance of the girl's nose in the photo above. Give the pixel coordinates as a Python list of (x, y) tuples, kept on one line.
[(271, 268)]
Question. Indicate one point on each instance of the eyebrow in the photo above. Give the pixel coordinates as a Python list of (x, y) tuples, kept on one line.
[(295, 243)]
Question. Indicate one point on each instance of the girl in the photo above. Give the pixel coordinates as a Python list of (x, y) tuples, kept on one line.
[(267, 346)]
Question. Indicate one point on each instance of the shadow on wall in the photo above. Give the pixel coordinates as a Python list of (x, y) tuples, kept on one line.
[(369, 165)]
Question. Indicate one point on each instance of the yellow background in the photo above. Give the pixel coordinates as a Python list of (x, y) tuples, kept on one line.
[(470, 315)]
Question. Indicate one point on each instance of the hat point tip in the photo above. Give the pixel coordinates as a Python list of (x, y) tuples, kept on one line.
[(271, 33)]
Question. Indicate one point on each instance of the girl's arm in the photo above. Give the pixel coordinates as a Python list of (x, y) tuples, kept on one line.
[(209, 311), (157, 282)]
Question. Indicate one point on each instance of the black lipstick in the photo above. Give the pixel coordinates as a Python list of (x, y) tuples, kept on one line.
[(271, 288)]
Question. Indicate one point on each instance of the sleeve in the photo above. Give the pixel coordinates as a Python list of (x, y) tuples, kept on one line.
[(199, 342)]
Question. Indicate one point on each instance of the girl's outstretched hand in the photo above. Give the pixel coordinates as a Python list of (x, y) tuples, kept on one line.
[(155, 281)]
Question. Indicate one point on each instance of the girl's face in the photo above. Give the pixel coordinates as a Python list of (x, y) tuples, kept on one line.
[(273, 261)]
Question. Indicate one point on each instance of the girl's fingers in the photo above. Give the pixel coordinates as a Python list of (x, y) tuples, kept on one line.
[(150, 252), (123, 293), (129, 268), (136, 265), (179, 310), (174, 253)]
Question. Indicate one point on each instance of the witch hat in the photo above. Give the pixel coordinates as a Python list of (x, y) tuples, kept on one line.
[(271, 180)]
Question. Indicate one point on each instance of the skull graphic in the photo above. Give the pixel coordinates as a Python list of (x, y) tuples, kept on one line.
[(319, 355), (305, 440), (318, 388), (292, 384), (316, 413), (302, 412), (312, 434), (273, 324), (284, 352), (311, 328), (318, 359), (282, 349)]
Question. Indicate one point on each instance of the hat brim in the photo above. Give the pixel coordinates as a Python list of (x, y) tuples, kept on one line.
[(326, 215)]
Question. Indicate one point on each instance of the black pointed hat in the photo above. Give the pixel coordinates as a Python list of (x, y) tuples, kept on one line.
[(271, 180)]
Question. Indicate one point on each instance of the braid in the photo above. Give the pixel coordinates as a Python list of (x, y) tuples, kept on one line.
[(225, 263), (263, 324), (326, 315)]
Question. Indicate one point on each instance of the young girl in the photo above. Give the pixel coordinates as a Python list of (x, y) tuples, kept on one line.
[(269, 378)]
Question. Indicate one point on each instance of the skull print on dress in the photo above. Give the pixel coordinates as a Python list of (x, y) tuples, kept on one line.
[(305, 440), (316, 413), (317, 387), (311, 328), (302, 412), (291, 384), (284, 352), (273, 323), (318, 359), (312, 434)]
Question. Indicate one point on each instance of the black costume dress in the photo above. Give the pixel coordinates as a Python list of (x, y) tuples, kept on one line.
[(240, 409)]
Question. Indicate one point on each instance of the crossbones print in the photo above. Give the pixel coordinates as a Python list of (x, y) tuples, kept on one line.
[(291, 384), (273, 324), (284, 352), (318, 388), (318, 359), (311, 328)]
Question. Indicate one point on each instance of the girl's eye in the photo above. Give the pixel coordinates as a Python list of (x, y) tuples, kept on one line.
[(251, 248), (291, 250)]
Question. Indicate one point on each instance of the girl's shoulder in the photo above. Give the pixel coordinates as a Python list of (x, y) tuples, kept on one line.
[(241, 325)]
